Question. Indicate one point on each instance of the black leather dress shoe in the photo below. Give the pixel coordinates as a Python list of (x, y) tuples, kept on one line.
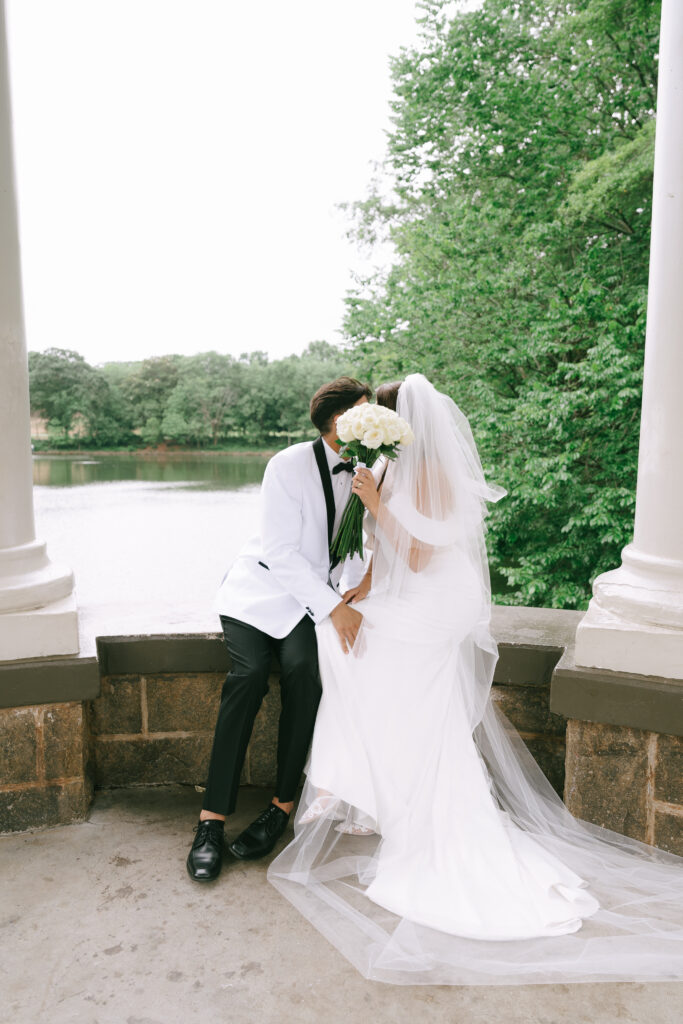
[(261, 836), (205, 859)]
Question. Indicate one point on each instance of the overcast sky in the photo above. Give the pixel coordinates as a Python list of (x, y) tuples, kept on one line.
[(179, 162)]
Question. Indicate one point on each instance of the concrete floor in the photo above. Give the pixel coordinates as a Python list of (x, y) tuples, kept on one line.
[(100, 924)]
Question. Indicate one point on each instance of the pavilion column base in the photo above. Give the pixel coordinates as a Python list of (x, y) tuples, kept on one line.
[(606, 640), (40, 632), (634, 621)]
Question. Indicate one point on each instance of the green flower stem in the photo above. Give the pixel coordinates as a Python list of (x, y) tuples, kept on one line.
[(349, 539)]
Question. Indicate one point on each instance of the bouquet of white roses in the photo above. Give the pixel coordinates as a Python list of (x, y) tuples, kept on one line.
[(365, 432)]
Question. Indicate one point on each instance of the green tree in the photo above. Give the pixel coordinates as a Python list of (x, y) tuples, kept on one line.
[(207, 399), (293, 382), (200, 408), (520, 176), (147, 390), (72, 395), (59, 381)]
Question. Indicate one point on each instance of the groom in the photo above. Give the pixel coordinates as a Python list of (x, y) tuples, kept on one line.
[(282, 583)]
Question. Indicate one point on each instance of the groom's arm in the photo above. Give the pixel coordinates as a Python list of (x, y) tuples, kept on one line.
[(281, 528)]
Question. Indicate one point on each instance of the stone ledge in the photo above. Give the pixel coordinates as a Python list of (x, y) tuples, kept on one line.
[(536, 647), (649, 703), (531, 640), (48, 681), (128, 655)]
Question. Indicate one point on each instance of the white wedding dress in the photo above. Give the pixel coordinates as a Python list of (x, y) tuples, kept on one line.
[(474, 872)]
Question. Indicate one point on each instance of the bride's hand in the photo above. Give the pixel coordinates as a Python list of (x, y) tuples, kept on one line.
[(356, 594), (364, 486)]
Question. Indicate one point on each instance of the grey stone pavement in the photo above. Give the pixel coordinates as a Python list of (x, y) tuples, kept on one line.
[(100, 924)]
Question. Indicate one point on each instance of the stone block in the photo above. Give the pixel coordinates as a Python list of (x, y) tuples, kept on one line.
[(149, 761), (89, 740), (63, 730), (528, 708), (669, 831), (117, 710), (73, 800), (39, 806), (18, 746), (262, 754), (183, 703), (606, 776), (669, 769), (549, 754)]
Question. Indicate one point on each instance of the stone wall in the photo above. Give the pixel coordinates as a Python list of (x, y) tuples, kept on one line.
[(627, 780), (142, 713), (156, 729), (528, 708), (45, 766)]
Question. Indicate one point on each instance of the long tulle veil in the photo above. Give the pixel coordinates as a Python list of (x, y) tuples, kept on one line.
[(433, 503)]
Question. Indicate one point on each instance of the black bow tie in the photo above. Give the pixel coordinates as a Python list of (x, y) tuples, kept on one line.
[(342, 467)]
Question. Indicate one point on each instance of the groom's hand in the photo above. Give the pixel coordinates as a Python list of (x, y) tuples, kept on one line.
[(347, 622)]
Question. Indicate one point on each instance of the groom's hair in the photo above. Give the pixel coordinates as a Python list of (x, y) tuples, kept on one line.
[(336, 397)]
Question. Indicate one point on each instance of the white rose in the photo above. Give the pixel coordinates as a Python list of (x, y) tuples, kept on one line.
[(344, 428), (391, 429), (368, 415), (373, 438), (358, 428), (344, 432)]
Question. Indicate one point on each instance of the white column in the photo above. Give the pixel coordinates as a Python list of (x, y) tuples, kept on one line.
[(37, 608), (635, 619)]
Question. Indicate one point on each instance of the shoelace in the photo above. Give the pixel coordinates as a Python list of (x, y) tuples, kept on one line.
[(208, 832), (268, 817)]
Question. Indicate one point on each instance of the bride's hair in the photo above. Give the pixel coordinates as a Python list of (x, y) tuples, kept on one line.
[(387, 394)]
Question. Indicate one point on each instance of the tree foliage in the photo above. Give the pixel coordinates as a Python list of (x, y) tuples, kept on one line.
[(517, 197), (65, 388), (200, 401)]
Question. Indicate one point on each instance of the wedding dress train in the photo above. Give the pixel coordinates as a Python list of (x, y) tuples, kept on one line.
[(475, 872)]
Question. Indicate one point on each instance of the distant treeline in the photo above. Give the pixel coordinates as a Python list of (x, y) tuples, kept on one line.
[(207, 400)]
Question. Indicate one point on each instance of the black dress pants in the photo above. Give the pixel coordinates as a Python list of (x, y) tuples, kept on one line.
[(246, 685)]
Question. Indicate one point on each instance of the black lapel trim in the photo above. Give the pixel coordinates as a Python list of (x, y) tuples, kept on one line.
[(326, 480)]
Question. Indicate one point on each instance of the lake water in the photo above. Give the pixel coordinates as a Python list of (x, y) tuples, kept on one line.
[(148, 538)]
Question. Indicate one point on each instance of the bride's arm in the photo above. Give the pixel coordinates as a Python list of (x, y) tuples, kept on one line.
[(417, 553)]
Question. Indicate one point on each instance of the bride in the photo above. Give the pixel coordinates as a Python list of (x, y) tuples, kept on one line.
[(429, 847)]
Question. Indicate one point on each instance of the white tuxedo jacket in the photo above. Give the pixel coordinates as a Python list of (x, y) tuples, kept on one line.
[(283, 572)]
